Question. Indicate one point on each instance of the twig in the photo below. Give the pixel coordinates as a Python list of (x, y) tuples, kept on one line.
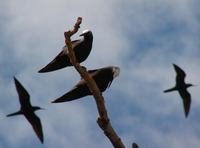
[(103, 120)]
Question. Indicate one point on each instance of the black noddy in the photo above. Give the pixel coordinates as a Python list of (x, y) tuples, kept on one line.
[(81, 47), (181, 87), (28, 110), (103, 78)]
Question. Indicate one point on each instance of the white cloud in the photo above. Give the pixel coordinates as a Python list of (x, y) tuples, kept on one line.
[(143, 37)]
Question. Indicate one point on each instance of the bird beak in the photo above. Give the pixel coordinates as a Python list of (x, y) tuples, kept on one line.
[(42, 108)]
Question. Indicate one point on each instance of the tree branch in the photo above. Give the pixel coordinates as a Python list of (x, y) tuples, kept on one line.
[(103, 120)]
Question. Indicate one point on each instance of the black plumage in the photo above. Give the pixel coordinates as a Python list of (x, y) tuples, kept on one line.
[(181, 87), (103, 78), (28, 110), (81, 47)]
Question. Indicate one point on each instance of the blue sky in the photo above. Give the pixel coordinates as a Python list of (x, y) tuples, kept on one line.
[(142, 37)]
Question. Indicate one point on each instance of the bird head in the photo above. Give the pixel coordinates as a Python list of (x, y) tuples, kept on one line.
[(116, 71), (86, 33)]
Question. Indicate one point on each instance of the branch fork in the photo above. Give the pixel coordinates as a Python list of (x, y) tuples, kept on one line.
[(103, 120)]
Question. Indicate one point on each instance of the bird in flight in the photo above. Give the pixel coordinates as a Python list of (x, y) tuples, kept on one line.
[(103, 78), (28, 110), (181, 87), (81, 47)]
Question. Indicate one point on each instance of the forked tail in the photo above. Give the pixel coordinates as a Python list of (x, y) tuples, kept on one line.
[(14, 114), (169, 90)]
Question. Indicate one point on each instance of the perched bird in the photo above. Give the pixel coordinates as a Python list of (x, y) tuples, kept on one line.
[(103, 78), (28, 110), (181, 87), (81, 47)]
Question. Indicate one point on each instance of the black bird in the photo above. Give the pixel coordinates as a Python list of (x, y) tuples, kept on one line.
[(28, 110), (103, 78), (181, 87), (81, 47)]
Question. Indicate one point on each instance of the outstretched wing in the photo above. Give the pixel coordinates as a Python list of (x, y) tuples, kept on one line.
[(24, 97), (79, 91), (180, 74), (36, 125), (185, 95)]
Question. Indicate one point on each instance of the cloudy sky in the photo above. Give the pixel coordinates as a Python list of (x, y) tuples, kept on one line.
[(142, 37)]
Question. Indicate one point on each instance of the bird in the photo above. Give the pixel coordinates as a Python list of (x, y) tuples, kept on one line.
[(103, 78), (181, 87), (28, 110), (81, 47)]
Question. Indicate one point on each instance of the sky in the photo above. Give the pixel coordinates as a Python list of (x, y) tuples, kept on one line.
[(143, 37)]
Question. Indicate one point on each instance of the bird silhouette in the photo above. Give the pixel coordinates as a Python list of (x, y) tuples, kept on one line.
[(103, 78), (81, 47), (28, 110), (181, 87)]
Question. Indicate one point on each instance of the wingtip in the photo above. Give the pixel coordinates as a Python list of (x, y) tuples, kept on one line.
[(186, 114), (42, 141), (54, 101), (59, 101), (14, 78), (174, 65), (41, 71)]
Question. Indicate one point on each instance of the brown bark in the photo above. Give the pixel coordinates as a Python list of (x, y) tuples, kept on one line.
[(103, 120)]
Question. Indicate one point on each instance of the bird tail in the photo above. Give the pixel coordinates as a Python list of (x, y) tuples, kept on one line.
[(14, 114), (169, 90)]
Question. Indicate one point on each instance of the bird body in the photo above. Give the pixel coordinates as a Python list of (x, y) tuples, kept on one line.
[(28, 110), (103, 78), (181, 87), (81, 47)]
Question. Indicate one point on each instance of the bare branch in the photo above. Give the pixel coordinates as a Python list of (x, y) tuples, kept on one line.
[(103, 120)]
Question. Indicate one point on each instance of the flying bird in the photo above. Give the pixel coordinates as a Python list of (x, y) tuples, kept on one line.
[(81, 47), (181, 87), (28, 110), (103, 78)]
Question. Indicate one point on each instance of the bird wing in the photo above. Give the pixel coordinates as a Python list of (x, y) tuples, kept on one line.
[(60, 61), (185, 95), (24, 97), (180, 74), (79, 91), (36, 125)]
